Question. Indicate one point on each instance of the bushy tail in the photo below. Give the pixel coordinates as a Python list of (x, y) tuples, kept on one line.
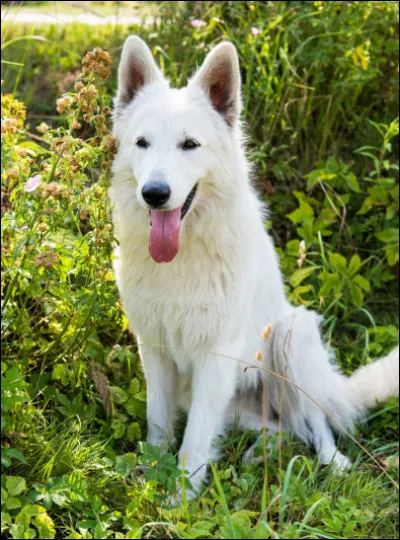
[(377, 381)]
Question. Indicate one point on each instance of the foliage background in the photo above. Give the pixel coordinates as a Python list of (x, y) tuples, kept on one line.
[(320, 93)]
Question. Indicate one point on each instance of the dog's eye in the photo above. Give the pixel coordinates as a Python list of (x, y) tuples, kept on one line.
[(142, 143), (189, 144)]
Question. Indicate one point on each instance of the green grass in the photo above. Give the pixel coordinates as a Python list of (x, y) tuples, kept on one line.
[(320, 95)]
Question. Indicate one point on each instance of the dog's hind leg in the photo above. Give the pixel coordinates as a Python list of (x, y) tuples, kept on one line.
[(324, 443), (295, 351)]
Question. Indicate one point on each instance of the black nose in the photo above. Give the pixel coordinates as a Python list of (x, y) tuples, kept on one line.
[(156, 193)]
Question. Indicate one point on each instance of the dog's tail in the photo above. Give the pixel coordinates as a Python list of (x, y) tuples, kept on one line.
[(377, 381)]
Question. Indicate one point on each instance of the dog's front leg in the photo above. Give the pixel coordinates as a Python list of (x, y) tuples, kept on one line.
[(161, 381), (213, 387)]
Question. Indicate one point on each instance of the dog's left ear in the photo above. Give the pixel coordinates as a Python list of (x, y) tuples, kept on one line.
[(219, 77), (137, 68)]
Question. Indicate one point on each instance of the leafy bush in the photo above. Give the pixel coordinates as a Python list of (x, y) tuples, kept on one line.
[(320, 98)]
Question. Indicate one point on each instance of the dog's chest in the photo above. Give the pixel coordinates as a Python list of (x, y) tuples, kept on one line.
[(183, 304)]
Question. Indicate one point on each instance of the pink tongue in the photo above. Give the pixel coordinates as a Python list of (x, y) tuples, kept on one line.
[(164, 234)]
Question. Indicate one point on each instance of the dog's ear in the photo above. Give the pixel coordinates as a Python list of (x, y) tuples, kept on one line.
[(219, 77), (136, 69)]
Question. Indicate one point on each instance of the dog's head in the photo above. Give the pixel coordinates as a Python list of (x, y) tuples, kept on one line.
[(176, 142)]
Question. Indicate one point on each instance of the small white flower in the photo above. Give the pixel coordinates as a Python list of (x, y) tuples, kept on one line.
[(32, 183), (197, 23)]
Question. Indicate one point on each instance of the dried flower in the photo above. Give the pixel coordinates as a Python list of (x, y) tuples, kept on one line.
[(302, 253), (52, 190), (43, 128), (13, 173), (64, 103), (266, 332), (42, 227), (109, 144), (47, 259), (97, 61), (258, 356), (9, 125)]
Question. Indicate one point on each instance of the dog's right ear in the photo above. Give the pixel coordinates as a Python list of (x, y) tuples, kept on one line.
[(136, 69)]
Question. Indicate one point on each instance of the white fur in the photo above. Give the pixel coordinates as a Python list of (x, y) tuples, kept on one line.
[(195, 316)]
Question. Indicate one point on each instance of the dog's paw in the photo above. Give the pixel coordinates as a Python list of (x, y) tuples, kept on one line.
[(340, 463)]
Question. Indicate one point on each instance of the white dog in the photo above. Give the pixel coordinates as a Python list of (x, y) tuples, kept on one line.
[(200, 279)]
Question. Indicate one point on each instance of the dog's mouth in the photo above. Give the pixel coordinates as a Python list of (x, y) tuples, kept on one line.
[(188, 202), (164, 230)]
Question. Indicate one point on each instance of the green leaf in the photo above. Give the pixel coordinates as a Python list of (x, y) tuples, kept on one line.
[(134, 386), (125, 464), (18, 531), (4, 496), (338, 262), (356, 294), (392, 254), (12, 503), (312, 178), (136, 407), (200, 529), (86, 524), (133, 433), (118, 394), (6, 520), (119, 429), (32, 510), (15, 485), (45, 526), (362, 282), (14, 453), (389, 235), (300, 275), (292, 248), (303, 212), (354, 265), (100, 531), (352, 183), (330, 284)]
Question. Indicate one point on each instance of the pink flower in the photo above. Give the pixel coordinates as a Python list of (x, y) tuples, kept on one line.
[(32, 183), (255, 31), (196, 23), (25, 227)]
